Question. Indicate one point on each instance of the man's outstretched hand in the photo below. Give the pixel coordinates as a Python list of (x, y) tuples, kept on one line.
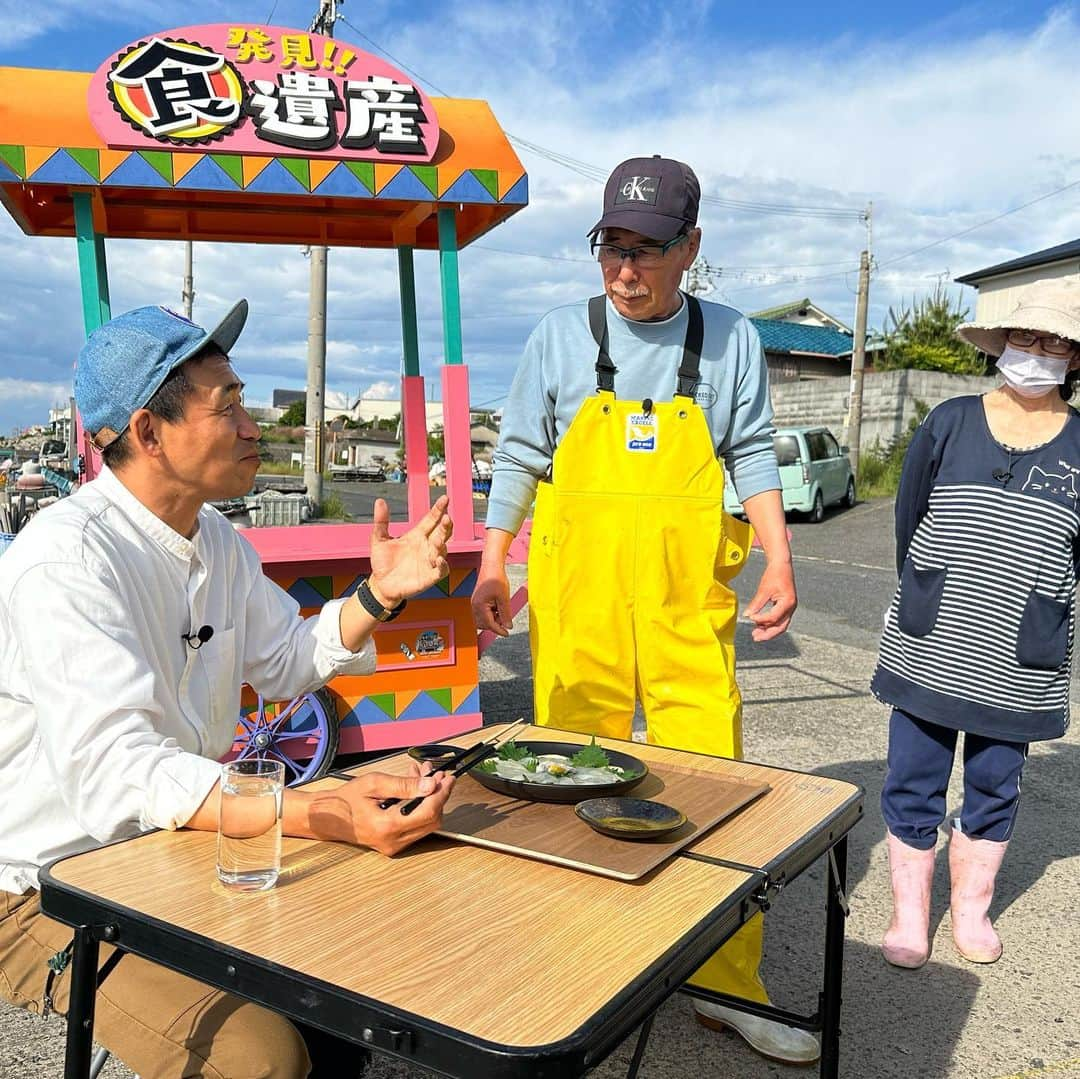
[(413, 562)]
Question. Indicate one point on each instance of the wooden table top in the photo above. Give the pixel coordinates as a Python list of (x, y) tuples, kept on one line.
[(502, 948)]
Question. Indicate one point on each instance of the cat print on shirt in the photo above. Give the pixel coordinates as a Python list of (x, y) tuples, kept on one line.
[(1040, 482)]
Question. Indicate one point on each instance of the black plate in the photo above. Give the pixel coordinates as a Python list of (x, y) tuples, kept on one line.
[(630, 818), (433, 752), (555, 792)]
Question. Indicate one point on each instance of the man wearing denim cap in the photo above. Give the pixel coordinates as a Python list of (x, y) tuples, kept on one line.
[(130, 615), (616, 418)]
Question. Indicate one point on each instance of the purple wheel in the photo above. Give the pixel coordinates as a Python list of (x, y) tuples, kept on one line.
[(302, 733)]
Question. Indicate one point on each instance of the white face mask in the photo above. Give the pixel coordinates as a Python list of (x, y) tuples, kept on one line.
[(1030, 375)]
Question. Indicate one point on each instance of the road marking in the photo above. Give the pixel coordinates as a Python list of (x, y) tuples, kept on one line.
[(1045, 1069), (832, 561)]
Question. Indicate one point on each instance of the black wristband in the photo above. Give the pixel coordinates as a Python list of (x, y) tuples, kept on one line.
[(373, 607)]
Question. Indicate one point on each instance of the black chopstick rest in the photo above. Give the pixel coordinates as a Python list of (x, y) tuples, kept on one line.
[(481, 753)]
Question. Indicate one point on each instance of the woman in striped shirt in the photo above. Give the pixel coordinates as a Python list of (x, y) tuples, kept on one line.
[(978, 637)]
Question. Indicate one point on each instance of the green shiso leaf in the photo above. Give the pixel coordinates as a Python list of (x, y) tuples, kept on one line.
[(511, 751), (591, 756)]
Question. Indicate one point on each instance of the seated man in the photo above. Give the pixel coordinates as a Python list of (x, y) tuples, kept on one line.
[(112, 720)]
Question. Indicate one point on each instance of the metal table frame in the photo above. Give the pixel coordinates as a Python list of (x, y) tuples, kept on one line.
[(415, 1038)]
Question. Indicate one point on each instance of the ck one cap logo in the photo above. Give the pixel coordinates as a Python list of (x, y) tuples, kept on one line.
[(638, 189)]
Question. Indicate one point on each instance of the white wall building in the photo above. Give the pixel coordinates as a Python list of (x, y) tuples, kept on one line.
[(999, 286)]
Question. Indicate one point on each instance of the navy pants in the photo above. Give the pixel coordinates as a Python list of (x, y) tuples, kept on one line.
[(920, 763)]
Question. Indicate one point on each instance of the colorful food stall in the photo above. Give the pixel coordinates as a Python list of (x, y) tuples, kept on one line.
[(235, 132)]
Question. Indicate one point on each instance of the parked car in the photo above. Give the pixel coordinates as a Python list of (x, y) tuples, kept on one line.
[(814, 472)]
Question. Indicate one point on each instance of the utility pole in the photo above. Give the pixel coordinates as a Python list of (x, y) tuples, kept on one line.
[(315, 411), (314, 415), (188, 294), (858, 362)]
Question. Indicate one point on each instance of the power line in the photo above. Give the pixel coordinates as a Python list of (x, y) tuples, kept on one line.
[(988, 221), (592, 172)]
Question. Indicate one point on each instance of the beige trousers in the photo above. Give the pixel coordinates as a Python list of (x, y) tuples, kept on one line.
[(161, 1024)]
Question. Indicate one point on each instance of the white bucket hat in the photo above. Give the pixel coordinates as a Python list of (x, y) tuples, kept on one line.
[(1050, 306)]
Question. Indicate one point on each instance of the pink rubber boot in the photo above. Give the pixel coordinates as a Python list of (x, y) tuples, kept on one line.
[(973, 868), (906, 943)]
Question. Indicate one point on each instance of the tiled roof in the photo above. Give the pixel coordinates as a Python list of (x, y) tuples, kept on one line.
[(1070, 250), (779, 336)]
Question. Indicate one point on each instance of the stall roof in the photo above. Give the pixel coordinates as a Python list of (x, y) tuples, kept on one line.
[(49, 149)]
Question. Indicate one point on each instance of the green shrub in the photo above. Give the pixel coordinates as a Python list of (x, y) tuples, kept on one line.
[(880, 466), (333, 509)]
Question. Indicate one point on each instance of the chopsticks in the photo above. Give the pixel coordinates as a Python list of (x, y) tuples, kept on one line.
[(461, 762)]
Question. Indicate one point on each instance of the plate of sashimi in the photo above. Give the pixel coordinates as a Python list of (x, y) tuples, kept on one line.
[(559, 771)]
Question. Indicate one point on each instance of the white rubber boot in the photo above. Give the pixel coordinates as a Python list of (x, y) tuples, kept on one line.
[(906, 943), (777, 1041), (973, 868)]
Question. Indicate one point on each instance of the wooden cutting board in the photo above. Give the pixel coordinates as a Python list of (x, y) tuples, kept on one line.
[(554, 833)]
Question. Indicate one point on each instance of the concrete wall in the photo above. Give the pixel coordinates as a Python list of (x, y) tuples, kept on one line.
[(888, 401)]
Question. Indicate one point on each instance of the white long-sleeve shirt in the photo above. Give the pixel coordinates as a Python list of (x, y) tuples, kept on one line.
[(109, 722)]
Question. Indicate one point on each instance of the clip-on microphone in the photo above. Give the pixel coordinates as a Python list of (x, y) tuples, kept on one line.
[(197, 639)]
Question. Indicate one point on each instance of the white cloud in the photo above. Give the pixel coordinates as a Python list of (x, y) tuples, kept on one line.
[(383, 391)]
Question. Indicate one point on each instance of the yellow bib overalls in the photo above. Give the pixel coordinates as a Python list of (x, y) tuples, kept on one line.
[(629, 560)]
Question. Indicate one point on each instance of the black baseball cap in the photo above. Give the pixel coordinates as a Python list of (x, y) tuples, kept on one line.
[(654, 195)]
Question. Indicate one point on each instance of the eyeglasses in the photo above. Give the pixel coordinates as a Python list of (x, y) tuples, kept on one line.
[(647, 256), (1050, 343)]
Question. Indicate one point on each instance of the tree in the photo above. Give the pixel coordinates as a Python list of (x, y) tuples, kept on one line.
[(295, 415), (923, 337)]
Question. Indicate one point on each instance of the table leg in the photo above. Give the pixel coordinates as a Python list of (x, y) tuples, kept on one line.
[(831, 996), (80, 1018), (639, 1049)]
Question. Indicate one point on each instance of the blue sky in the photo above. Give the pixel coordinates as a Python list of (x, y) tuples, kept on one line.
[(943, 117)]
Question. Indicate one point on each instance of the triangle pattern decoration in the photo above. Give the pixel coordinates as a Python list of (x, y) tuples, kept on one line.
[(276, 180), (385, 703), (61, 168), (318, 170), (366, 711), (135, 172), (7, 175), (519, 193), (403, 698), (340, 181), (305, 592), (298, 167), (471, 703), (428, 175), (364, 171), (442, 697), (353, 587), (459, 695), (160, 160), (110, 160), (424, 707), (406, 186), (467, 188), (462, 582), (383, 175), (489, 178), (88, 159), (250, 167), (15, 159), (207, 175), (182, 164), (36, 156)]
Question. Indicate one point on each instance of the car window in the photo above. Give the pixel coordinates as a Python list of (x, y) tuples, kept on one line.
[(787, 449), (832, 447), (816, 442)]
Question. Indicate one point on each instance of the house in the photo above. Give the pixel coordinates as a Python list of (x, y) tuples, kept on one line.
[(361, 447), (998, 285), (802, 312)]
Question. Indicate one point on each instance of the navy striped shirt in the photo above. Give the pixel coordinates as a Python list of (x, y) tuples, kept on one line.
[(979, 634)]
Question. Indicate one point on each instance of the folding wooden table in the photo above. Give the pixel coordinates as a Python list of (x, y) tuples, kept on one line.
[(465, 960)]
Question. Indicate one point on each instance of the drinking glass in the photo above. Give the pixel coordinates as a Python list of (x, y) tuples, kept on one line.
[(249, 824)]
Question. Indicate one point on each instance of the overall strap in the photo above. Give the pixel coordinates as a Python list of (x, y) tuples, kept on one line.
[(689, 369), (605, 369)]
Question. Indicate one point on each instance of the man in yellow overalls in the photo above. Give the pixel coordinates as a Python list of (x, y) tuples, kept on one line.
[(614, 423)]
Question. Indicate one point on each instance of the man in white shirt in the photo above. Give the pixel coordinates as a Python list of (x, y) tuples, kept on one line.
[(111, 722)]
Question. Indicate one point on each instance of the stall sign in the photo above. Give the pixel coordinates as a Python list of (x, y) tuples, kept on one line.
[(266, 90)]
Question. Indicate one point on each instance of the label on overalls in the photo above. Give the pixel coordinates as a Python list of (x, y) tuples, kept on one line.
[(641, 432)]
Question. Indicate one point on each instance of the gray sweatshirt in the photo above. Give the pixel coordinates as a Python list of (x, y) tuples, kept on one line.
[(557, 373)]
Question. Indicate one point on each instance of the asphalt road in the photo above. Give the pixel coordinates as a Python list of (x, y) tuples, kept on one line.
[(807, 706)]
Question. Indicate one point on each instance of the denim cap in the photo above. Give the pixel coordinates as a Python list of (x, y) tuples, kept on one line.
[(123, 363)]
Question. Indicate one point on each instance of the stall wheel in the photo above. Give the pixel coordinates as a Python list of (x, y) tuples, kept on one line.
[(302, 733)]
